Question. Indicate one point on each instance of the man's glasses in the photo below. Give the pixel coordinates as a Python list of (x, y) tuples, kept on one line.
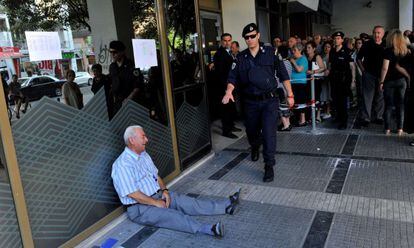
[(252, 36)]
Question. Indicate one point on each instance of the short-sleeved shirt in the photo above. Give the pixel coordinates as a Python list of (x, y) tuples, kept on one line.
[(393, 73), (132, 172), (300, 77), (372, 55), (257, 75), (340, 60), (124, 79)]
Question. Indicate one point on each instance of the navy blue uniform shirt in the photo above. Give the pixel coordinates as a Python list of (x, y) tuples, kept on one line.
[(340, 60), (256, 75)]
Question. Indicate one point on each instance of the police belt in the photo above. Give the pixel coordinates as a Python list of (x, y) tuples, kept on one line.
[(261, 97)]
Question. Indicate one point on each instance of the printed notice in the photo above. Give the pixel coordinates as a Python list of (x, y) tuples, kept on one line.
[(145, 53), (43, 45)]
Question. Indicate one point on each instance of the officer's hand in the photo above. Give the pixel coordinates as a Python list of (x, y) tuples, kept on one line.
[(227, 98), (291, 102), (353, 84), (381, 86), (160, 204)]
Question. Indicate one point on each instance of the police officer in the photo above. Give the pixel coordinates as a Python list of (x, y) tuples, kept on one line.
[(222, 64), (254, 75), (342, 76), (126, 81)]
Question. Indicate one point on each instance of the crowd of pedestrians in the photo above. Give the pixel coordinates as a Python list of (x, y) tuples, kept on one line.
[(369, 73)]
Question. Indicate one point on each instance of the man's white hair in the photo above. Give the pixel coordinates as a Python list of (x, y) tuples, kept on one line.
[(130, 132)]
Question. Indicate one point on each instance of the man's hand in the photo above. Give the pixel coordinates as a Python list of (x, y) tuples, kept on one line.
[(290, 102), (160, 204), (167, 198), (227, 98), (353, 84), (211, 66)]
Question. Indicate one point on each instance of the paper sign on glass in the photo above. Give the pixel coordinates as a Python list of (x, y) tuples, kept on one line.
[(43, 45), (145, 53)]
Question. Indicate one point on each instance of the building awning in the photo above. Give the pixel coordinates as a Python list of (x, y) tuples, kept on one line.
[(10, 52)]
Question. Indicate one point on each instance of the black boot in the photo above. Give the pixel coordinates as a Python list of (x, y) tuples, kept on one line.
[(269, 174), (255, 153)]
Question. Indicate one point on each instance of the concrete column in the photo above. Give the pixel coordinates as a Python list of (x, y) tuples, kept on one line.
[(110, 20), (405, 15), (236, 15)]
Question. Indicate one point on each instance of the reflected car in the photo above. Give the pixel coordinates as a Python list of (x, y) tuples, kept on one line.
[(38, 86), (83, 78)]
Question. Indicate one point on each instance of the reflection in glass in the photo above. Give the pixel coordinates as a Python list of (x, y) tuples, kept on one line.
[(182, 42), (9, 229)]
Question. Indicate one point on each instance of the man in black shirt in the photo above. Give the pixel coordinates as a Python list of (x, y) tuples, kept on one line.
[(223, 61), (342, 76), (370, 59), (126, 80)]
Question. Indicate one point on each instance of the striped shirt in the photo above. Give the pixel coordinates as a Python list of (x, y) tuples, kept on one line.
[(132, 172)]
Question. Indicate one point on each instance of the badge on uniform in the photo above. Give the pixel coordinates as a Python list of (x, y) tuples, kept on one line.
[(233, 65), (136, 72)]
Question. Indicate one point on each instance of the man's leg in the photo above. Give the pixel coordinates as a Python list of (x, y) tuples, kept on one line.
[(192, 206), (227, 117), (378, 108), (269, 120), (253, 125), (164, 218), (368, 92)]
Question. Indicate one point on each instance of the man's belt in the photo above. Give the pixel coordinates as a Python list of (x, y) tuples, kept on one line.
[(261, 97), (132, 204)]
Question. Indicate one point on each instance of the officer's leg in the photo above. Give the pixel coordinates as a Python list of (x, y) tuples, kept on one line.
[(193, 206), (269, 120), (252, 123), (164, 218)]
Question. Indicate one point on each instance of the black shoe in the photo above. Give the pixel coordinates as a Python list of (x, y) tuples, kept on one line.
[(364, 123), (218, 230), (255, 154), (283, 129), (236, 129), (412, 143), (230, 135), (24, 111), (269, 174), (234, 201)]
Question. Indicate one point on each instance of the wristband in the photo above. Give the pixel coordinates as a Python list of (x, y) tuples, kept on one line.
[(165, 190), (292, 96)]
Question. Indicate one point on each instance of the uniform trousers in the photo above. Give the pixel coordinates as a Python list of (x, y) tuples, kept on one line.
[(178, 215), (261, 119), (340, 86)]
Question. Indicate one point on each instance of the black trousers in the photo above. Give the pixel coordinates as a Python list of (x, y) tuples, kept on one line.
[(340, 91), (228, 114), (394, 93), (261, 125)]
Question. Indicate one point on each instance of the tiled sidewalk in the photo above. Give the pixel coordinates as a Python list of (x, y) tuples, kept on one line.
[(352, 188)]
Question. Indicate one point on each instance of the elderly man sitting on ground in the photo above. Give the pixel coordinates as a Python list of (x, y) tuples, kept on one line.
[(149, 202)]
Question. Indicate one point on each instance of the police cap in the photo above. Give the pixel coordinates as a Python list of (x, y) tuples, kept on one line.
[(339, 33), (250, 28)]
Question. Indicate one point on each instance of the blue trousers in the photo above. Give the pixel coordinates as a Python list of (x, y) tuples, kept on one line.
[(261, 125), (178, 215)]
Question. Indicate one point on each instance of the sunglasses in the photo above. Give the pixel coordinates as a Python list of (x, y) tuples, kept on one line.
[(113, 51), (246, 37)]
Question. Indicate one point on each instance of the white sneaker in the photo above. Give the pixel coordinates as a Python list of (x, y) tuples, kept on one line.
[(326, 116)]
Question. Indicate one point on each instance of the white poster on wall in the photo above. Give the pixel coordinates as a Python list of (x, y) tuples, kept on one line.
[(145, 53), (43, 45)]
